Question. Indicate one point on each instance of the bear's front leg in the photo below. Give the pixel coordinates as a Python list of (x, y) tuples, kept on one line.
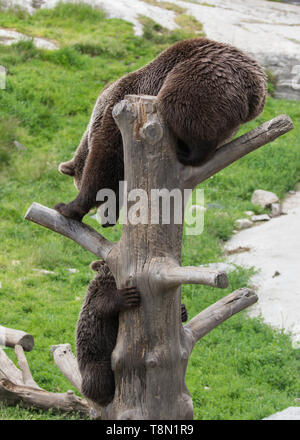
[(72, 210)]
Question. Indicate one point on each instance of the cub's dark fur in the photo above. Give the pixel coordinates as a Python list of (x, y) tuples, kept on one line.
[(97, 331), (205, 90)]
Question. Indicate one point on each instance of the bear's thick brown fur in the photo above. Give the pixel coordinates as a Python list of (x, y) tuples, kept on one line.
[(205, 90), (97, 331)]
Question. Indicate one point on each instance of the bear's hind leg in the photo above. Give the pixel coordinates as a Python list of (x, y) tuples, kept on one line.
[(98, 382), (103, 168)]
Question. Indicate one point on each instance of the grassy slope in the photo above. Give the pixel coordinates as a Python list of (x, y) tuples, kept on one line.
[(243, 369)]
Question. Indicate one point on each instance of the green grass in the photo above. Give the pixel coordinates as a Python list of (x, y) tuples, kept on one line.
[(242, 369)]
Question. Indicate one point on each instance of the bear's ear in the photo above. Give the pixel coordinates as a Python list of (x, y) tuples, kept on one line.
[(67, 168)]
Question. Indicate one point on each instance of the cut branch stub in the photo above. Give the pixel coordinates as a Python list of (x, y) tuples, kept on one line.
[(81, 233), (217, 313), (10, 338), (176, 275), (67, 363)]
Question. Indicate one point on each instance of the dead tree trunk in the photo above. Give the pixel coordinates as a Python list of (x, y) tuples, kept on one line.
[(153, 348)]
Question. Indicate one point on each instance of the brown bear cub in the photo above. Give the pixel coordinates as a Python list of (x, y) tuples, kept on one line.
[(205, 90), (97, 331)]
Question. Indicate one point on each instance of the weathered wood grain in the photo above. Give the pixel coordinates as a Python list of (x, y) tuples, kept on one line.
[(10, 338)]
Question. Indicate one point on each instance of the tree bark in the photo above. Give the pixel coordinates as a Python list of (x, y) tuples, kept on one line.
[(217, 313)]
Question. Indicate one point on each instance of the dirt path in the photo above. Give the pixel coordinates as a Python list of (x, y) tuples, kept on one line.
[(275, 250)]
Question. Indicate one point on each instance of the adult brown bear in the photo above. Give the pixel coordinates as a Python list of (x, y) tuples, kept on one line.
[(205, 90)]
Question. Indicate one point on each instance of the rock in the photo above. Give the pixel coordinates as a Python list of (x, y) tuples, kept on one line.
[(72, 270), (292, 192), (291, 413), (44, 271), (249, 213), (19, 146), (0, 285), (276, 209), (42, 43), (264, 198), (260, 218), (243, 223)]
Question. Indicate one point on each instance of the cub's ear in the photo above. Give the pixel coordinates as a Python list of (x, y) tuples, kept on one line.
[(67, 168), (97, 265)]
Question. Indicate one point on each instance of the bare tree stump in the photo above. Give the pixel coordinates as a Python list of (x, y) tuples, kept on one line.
[(153, 348)]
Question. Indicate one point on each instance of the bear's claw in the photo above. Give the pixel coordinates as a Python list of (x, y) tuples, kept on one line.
[(70, 210)]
